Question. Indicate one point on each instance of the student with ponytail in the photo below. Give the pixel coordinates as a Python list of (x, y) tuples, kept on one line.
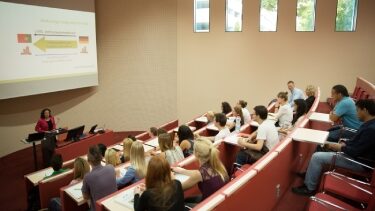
[(211, 174)]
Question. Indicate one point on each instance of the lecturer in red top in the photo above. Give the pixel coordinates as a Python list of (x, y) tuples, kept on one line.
[(46, 121)]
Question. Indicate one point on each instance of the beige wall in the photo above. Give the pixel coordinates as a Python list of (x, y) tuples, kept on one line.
[(145, 45), (137, 76), (255, 66)]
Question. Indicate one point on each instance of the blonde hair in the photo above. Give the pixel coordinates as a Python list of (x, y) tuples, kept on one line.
[(81, 167), (165, 142), (127, 144), (205, 151), (111, 157), (310, 90), (210, 115), (137, 159)]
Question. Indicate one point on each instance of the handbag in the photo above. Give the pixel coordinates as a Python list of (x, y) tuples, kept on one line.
[(255, 155)]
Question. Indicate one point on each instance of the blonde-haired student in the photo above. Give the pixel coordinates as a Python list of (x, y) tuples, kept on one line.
[(211, 174), (137, 169), (127, 144)]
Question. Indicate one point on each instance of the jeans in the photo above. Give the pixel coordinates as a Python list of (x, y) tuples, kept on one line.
[(242, 157), (336, 133), (319, 159)]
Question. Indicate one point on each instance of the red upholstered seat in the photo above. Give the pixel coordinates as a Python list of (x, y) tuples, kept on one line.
[(347, 187), (323, 201)]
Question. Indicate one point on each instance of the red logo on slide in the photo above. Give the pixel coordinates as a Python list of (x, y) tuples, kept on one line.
[(24, 38)]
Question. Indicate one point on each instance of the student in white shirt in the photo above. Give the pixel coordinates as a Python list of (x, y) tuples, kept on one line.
[(283, 111), (245, 112), (265, 135), (219, 122)]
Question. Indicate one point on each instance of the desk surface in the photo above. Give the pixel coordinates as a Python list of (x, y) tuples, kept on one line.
[(309, 135), (202, 119), (124, 200), (191, 128), (37, 176), (75, 191), (320, 117)]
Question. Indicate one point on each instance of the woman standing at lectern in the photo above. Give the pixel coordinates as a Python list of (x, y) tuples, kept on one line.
[(46, 121)]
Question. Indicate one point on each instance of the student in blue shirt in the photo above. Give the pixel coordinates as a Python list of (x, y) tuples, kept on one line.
[(295, 93), (137, 169), (345, 111)]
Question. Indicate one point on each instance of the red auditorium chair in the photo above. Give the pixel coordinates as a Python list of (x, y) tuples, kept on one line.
[(347, 187), (322, 201)]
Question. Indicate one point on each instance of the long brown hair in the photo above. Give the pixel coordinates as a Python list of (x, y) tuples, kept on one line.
[(238, 110), (165, 142), (159, 183)]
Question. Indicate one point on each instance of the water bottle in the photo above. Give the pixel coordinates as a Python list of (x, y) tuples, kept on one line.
[(238, 124)]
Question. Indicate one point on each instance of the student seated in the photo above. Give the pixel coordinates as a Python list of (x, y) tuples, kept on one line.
[(345, 111), (127, 144), (299, 110), (102, 149), (81, 168), (112, 157), (153, 132), (220, 122), (283, 111), (162, 191), (185, 138), (245, 112), (226, 108), (101, 181), (210, 117), (360, 148), (310, 93), (260, 141), (237, 112), (56, 164), (295, 93), (210, 176), (137, 168), (171, 153)]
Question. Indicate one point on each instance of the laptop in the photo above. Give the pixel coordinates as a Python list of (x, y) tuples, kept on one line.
[(92, 130)]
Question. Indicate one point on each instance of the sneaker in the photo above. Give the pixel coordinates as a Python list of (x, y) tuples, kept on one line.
[(302, 190)]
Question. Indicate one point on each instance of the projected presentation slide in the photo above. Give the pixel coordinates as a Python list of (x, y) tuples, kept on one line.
[(39, 43)]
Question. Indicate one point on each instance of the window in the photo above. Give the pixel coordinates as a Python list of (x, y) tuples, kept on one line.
[(268, 15), (305, 20), (201, 15), (233, 16), (346, 15)]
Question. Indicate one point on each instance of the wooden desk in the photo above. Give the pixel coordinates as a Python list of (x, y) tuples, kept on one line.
[(320, 117), (124, 200), (202, 119), (81, 147), (191, 128), (309, 135)]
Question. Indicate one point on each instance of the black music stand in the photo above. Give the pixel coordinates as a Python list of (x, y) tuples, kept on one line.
[(33, 137)]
